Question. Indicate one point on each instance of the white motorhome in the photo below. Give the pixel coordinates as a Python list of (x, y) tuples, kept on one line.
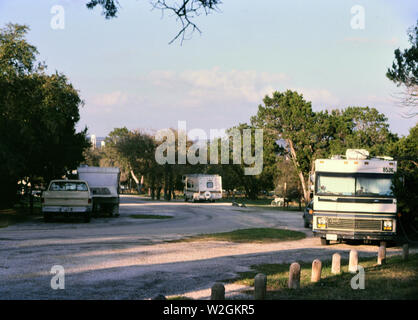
[(353, 198), (206, 187), (104, 186)]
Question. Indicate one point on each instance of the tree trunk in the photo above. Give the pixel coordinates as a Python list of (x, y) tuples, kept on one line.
[(152, 187), (138, 185), (306, 192), (170, 185), (158, 193)]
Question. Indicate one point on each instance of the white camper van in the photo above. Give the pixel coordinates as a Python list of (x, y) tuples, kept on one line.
[(104, 186), (206, 187), (353, 198)]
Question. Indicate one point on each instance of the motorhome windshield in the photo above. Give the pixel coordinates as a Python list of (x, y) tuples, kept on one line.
[(357, 184)]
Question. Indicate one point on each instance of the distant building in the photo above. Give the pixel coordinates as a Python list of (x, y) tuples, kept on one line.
[(97, 142), (93, 141)]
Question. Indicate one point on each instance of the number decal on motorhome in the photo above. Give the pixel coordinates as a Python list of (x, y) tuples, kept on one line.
[(388, 170)]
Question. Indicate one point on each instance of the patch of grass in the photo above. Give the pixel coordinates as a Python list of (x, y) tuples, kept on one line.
[(149, 216), (397, 279), (253, 235), (12, 216)]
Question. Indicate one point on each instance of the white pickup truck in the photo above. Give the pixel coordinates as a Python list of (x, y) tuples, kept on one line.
[(67, 198)]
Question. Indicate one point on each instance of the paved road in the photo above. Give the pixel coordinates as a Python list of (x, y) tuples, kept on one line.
[(127, 258)]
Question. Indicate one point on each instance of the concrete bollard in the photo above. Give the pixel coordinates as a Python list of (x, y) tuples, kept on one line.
[(218, 292), (260, 286), (405, 251), (336, 263), (294, 276), (381, 254), (353, 263), (316, 270)]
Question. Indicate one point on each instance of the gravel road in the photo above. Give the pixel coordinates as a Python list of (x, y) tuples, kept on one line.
[(127, 258)]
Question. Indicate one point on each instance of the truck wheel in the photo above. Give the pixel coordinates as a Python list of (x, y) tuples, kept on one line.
[(47, 217), (87, 218), (324, 242), (95, 210), (115, 211)]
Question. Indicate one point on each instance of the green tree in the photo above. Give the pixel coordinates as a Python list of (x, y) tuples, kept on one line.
[(404, 72), (233, 175), (38, 117), (288, 117), (93, 157), (406, 152), (360, 128), (311, 135), (185, 11), (287, 184)]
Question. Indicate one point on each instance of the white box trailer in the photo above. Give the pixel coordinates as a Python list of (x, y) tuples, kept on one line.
[(353, 198), (199, 187), (104, 186)]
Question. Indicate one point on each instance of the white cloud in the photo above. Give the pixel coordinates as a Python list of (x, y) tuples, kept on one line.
[(197, 87), (364, 40), (320, 97), (208, 98), (110, 99)]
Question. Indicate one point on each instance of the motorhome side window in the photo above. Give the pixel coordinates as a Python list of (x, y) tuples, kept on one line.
[(209, 184), (189, 184)]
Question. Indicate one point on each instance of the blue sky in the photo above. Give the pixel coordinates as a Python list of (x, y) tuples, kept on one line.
[(128, 74)]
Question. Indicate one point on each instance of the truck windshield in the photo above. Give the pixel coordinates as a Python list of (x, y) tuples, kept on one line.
[(365, 185), (68, 186)]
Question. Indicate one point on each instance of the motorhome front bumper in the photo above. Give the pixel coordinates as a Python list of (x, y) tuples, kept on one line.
[(340, 235)]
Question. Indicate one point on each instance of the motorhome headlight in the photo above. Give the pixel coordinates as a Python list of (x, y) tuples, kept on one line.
[(387, 225), (321, 222)]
